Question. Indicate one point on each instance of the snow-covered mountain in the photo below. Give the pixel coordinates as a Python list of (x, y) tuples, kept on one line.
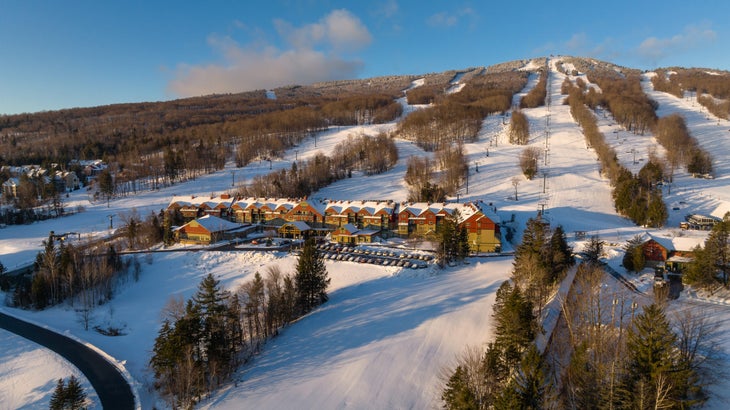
[(387, 334)]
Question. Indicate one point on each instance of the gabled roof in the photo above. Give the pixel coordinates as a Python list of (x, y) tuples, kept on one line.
[(676, 243), (300, 225), (352, 230), (214, 224)]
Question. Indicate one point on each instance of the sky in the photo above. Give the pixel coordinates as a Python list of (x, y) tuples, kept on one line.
[(78, 53)]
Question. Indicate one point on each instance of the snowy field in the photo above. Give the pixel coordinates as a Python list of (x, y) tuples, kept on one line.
[(29, 374), (386, 333)]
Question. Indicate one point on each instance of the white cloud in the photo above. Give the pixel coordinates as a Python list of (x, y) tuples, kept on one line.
[(580, 44), (443, 19), (655, 49), (449, 19), (313, 55), (388, 9)]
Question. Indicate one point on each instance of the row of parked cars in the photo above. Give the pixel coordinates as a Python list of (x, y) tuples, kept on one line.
[(380, 257)]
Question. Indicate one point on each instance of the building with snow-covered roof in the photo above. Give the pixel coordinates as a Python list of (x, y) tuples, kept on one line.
[(191, 206), (364, 219), (205, 230), (351, 234), (378, 215), (425, 218), (10, 188), (674, 251)]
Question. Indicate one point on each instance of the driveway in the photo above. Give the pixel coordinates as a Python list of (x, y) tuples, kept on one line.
[(113, 390)]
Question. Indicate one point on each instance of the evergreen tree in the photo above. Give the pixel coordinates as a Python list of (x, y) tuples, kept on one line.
[(593, 250), (464, 248), (561, 254), (634, 260), (701, 271), (75, 397), (531, 379), (58, 399), (650, 346), (448, 236), (68, 396), (718, 249), (515, 324), (457, 395), (311, 278), (583, 390), (656, 213), (509, 399), (212, 303)]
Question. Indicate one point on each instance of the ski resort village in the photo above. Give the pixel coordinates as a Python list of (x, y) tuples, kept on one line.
[(542, 233)]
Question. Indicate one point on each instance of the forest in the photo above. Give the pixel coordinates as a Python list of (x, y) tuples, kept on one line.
[(457, 117), (204, 339), (604, 358)]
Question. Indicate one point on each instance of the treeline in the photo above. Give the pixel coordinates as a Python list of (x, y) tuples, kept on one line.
[(362, 109), (371, 155), (202, 133), (458, 117), (623, 97), (714, 82), (719, 108), (61, 272), (203, 340), (682, 149), (267, 135), (536, 96), (432, 181), (519, 128), (661, 82), (711, 88), (637, 198), (621, 356), (435, 85), (425, 94), (85, 275), (511, 373)]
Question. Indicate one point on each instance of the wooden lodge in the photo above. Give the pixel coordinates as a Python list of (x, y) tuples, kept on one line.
[(350, 221)]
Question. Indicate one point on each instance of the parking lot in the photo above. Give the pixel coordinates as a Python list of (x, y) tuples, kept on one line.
[(382, 257)]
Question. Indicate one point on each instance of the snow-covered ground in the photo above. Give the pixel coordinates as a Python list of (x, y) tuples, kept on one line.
[(29, 374), (385, 334)]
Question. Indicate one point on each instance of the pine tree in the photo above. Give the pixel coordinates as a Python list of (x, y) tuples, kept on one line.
[(561, 254), (531, 379), (701, 271), (447, 247), (457, 395), (515, 324), (212, 303), (58, 399), (718, 248), (634, 260), (593, 250), (650, 351), (311, 278), (75, 397), (464, 248)]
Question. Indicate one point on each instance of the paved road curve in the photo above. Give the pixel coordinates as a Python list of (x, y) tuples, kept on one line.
[(113, 390)]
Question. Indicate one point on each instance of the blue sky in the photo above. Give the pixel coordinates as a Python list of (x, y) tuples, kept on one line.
[(73, 53)]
